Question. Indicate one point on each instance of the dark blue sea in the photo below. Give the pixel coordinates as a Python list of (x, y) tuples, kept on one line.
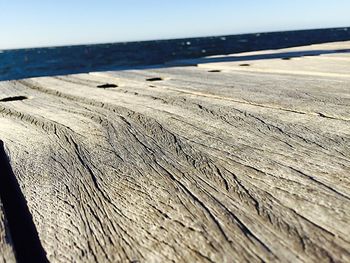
[(23, 63)]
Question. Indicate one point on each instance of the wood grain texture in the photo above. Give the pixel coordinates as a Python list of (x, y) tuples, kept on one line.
[(6, 249), (185, 165)]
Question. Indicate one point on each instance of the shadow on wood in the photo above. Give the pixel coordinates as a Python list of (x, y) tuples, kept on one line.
[(24, 234)]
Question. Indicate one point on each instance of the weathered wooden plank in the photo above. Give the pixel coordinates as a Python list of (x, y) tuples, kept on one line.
[(327, 60), (6, 249), (303, 94), (182, 164), (313, 67)]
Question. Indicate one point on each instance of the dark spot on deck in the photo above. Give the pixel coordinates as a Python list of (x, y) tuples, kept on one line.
[(287, 58), (244, 65), (13, 98), (154, 79), (214, 70), (107, 86)]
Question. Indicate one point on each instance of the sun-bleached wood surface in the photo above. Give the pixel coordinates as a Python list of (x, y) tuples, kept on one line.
[(242, 158)]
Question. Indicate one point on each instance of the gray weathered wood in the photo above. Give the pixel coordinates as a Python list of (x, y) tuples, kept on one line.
[(230, 166)]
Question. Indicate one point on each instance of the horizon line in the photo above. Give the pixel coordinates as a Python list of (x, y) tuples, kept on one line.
[(345, 28)]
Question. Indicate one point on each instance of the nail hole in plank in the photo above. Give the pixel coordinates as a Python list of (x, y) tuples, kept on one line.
[(154, 79), (14, 98), (107, 86)]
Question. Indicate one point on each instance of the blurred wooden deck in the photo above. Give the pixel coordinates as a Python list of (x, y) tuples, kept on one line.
[(241, 158)]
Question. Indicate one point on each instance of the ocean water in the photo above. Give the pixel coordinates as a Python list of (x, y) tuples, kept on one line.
[(24, 63)]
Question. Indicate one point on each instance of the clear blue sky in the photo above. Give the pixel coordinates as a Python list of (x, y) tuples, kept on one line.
[(33, 23)]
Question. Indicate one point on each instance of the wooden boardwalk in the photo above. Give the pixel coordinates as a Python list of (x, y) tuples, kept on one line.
[(242, 158)]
